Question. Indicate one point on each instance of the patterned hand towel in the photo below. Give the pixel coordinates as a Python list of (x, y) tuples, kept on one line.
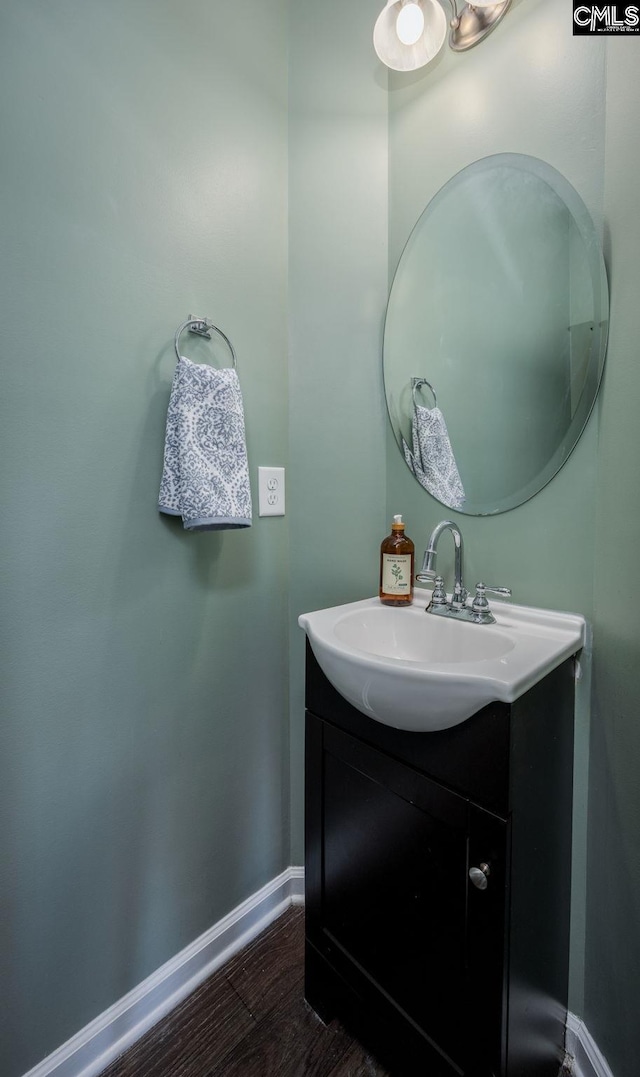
[(205, 478), (432, 460)]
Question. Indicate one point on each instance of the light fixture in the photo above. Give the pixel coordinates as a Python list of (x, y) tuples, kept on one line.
[(410, 23), (409, 33)]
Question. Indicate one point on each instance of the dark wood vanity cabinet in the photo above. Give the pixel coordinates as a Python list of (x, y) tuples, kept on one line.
[(438, 976)]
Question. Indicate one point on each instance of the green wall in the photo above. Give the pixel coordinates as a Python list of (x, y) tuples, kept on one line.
[(533, 88), (337, 298), (144, 742), (613, 896)]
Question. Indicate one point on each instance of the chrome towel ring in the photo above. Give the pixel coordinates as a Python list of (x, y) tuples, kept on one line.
[(202, 328), (417, 383)]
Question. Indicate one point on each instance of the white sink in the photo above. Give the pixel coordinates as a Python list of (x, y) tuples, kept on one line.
[(409, 669)]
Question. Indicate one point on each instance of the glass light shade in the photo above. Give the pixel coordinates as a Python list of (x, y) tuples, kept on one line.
[(483, 3), (410, 24), (408, 57)]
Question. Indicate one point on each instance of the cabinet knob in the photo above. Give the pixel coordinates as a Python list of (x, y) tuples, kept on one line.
[(480, 876)]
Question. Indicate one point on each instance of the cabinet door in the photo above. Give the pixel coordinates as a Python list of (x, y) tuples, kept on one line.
[(392, 871), (487, 932)]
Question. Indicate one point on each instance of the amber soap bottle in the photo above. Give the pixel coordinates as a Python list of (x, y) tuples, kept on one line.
[(396, 567)]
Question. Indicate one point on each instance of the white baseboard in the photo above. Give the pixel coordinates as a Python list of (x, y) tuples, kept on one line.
[(588, 1060), (92, 1049)]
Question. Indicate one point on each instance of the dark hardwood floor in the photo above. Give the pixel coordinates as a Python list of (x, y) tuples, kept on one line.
[(250, 1020)]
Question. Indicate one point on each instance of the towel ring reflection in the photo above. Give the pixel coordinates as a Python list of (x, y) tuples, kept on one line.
[(202, 328), (417, 383)]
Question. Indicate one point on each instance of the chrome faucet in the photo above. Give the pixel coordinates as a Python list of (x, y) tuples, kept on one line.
[(428, 574), (478, 612)]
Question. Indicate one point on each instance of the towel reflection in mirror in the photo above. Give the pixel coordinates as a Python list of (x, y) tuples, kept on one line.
[(431, 457)]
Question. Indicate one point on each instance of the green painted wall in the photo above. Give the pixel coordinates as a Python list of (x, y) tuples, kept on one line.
[(337, 297), (533, 88), (613, 906), (143, 743)]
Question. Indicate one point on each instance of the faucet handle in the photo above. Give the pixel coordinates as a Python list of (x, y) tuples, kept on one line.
[(439, 596), (505, 591), (480, 607)]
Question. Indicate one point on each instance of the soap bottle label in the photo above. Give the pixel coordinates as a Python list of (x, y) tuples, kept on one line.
[(396, 573)]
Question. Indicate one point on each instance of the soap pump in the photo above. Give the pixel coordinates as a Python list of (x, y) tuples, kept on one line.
[(396, 567)]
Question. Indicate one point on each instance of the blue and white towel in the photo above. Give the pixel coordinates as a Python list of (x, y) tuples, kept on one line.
[(205, 478), (431, 457)]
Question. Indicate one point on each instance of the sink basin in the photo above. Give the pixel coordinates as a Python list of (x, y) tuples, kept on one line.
[(414, 671)]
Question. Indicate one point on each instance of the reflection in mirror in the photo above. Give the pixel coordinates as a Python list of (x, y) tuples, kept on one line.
[(430, 457), (495, 334)]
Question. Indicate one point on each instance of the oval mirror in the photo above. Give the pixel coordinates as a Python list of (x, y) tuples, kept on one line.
[(495, 334)]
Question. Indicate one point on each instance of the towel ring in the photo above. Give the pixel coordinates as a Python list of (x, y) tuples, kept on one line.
[(201, 327), (417, 383)]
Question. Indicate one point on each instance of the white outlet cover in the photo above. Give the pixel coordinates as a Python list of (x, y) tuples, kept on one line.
[(271, 491)]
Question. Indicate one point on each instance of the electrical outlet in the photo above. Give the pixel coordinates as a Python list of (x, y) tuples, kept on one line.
[(271, 491)]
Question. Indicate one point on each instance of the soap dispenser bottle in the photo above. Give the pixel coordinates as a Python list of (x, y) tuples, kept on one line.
[(396, 567)]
